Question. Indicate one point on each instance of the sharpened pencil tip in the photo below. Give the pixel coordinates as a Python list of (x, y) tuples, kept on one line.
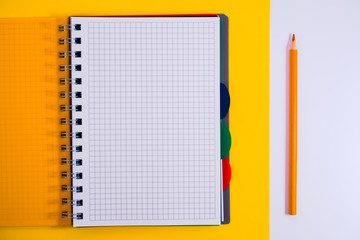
[(293, 38)]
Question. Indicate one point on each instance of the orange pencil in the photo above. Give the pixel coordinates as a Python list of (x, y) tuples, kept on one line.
[(293, 128)]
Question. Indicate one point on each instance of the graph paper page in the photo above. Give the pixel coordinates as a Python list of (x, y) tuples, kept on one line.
[(150, 121)]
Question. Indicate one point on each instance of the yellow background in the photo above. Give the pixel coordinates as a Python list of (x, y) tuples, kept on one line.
[(249, 114)]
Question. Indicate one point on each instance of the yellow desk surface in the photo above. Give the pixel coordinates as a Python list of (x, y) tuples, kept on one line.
[(249, 115)]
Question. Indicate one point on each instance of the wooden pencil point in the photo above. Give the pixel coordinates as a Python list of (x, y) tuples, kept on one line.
[(293, 38)]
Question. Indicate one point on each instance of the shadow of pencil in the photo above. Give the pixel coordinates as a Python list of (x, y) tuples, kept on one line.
[(287, 101)]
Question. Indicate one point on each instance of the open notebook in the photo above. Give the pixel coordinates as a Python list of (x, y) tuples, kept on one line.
[(139, 127)]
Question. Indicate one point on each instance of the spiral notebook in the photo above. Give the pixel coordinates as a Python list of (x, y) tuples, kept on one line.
[(112, 121)]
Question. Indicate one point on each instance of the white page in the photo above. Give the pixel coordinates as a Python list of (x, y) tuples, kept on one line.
[(328, 37), (150, 112)]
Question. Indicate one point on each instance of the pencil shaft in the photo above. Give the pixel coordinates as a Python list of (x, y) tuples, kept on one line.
[(293, 133)]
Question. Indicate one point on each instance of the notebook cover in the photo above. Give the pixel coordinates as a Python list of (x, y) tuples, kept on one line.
[(224, 62), (30, 169)]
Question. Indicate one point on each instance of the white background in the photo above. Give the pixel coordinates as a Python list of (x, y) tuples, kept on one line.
[(328, 39)]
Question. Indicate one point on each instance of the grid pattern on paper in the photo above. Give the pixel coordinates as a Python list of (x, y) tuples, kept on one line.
[(152, 121)]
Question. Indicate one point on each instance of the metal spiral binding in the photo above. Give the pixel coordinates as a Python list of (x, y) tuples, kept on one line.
[(70, 94), (77, 121), (77, 175), (67, 188), (63, 41), (71, 148), (77, 216), (64, 54), (76, 27), (70, 67), (78, 202), (77, 108), (64, 81), (71, 134), (76, 162)]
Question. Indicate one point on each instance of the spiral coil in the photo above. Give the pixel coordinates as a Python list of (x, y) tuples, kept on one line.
[(77, 175), (64, 54), (63, 41), (70, 94), (64, 81), (77, 216), (76, 162), (75, 27), (76, 121), (66, 148), (71, 134), (78, 202), (77, 108), (70, 67), (67, 188)]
